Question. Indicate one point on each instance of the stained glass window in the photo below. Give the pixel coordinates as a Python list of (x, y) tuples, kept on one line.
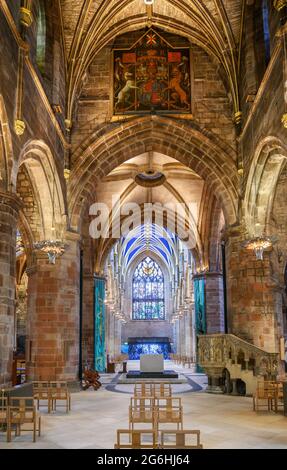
[(41, 38), (148, 291), (266, 30)]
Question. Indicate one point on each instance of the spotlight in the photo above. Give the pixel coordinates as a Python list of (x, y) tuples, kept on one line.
[(148, 2)]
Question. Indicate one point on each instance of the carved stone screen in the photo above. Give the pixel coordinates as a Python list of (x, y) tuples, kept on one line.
[(152, 76)]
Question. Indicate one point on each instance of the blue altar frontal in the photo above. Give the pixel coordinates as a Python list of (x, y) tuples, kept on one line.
[(140, 346)]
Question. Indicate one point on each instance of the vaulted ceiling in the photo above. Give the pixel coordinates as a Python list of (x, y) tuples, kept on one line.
[(89, 25)]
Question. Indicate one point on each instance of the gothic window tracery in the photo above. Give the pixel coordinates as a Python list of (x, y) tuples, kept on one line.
[(148, 291), (41, 38)]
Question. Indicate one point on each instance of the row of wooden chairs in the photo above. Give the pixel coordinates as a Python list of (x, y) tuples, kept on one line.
[(118, 359), (154, 405), (148, 439), (268, 396), (16, 412), (52, 392), (156, 390), (182, 360), (155, 411)]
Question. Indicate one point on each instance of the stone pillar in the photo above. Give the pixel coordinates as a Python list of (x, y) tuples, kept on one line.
[(190, 340), (182, 335), (52, 351), (117, 332), (254, 295), (9, 208), (113, 335), (214, 305)]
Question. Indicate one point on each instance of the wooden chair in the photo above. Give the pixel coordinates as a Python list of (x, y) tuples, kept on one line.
[(179, 440), (41, 392), (169, 410), (143, 389), (141, 411), (277, 400), (263, 396), (162, 390), (135, 439), (23, 411), (59, 392), (187, 361), (4, 416)]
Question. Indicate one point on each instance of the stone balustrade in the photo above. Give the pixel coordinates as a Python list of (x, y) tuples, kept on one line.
[(233, 365)]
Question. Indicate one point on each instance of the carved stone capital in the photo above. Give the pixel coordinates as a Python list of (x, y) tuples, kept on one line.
[(284, 120), (26, 17), (238, 117), (279, 4), (19, 127)]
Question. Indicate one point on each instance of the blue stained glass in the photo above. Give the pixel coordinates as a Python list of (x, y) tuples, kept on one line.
[(266, 30), (135, 351), (148, 291)]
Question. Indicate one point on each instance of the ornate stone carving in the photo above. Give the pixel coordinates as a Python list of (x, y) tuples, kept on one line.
[(279, 4), (284, 120), (26, 17), (218, 352), (19, 127)]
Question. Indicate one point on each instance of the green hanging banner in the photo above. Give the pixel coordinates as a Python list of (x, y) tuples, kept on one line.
[(200, 312), (99, 325)]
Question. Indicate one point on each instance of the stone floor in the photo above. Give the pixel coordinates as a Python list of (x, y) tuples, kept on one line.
[(225, 422)]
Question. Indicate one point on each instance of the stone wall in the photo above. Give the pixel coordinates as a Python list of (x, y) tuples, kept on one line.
[(146, 329), (212, 108), (37, 112)]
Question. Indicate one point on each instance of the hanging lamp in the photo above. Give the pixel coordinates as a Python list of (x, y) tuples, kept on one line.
[(52, 247)]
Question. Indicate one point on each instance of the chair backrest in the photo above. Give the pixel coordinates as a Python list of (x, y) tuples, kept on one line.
[(180, 440), (3, 403), (142, 410), (40, 387), (168, 402), (21, 408), (60, 388), (168, 410), (135, 439), (162, 390), (142, 402), (143, 389)]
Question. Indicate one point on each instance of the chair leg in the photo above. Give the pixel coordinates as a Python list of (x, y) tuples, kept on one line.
[(9, 437), (39, 425)]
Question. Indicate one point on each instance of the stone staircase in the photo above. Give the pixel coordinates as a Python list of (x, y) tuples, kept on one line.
[(234, 366)]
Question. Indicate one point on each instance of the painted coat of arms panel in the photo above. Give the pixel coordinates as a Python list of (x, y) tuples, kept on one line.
[(152, 76)]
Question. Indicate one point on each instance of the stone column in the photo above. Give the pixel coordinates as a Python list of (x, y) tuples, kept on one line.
[(254, 295), (117, 334), (190, 333), (9, 209), (52, 351), (182, 335), (214, 296)]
